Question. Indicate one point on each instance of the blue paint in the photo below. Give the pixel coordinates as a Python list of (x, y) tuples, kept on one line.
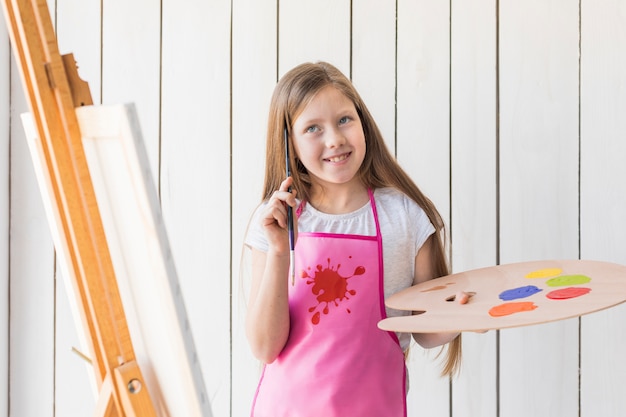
[(520, 292)]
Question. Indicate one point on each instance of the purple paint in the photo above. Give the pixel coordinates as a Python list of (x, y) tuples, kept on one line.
[(520, 292)]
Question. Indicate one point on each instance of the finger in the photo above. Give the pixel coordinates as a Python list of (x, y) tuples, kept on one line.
[(276, 211), (282, 198), (287, 182), (290, 197), (462, 297)]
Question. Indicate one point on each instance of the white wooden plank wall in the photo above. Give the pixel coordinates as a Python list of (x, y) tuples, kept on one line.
[(423, 148), (254, 54), (473, 156), (32, 297), (538, 161), (5, 93), (195, 175), (603, 197), (509, 115)]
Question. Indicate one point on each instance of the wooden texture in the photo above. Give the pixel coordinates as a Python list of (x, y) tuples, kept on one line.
[(538, 195), (373, 63), (473, 155), (77, 26), (255, 33), (603, 193), (31, 284), (423, 149), (482, 98), (507, 285), (423, 84), (309, 32), (194, 182), (63, 175), (142, 258), (5, 169), (68, 194), (131, 64)]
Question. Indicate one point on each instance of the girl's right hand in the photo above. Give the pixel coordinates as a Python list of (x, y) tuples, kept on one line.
[(274, 217)]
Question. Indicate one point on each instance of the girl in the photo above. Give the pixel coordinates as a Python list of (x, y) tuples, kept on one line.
[(364, 231)]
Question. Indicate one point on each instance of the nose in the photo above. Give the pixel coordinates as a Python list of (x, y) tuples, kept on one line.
[(334, 138)]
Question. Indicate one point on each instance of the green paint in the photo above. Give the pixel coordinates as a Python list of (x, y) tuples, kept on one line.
[(568, 280)]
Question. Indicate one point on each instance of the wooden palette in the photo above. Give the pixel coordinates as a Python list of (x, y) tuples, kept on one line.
[(510, 295)]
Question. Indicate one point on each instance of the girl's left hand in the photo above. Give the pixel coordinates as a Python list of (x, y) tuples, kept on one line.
[(463, 297)]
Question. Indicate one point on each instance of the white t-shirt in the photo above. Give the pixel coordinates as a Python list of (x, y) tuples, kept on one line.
[(403, 224)]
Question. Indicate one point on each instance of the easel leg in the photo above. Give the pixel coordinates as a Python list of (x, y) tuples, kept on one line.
[(105, 407), (132, 390)]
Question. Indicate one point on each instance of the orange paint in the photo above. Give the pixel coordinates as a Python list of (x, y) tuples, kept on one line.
[(511, 308)]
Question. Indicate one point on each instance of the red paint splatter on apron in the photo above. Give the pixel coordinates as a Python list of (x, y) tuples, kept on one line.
[(329, 287)]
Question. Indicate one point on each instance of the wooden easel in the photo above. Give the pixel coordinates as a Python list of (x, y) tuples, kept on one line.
[(53, 90)]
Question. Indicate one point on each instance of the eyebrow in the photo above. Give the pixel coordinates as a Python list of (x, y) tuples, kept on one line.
[(343, 112)]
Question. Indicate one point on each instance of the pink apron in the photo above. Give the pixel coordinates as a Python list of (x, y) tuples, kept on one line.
[(336, 361)]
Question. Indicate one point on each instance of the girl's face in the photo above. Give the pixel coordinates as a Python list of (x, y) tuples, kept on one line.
[(329, 140)]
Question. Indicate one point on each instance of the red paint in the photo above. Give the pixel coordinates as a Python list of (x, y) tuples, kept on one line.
[(566, 293), (511, 308), (329, 287)]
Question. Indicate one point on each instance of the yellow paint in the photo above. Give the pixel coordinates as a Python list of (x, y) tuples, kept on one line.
[(544, 273)]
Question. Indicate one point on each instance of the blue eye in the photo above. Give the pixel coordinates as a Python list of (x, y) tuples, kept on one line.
[(312, 129), (344, 120)]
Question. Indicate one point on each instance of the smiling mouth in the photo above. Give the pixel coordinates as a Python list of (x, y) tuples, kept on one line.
[(339, 158)]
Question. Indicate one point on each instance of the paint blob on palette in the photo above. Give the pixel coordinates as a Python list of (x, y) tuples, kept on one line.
[(511, 295), (556, 279)]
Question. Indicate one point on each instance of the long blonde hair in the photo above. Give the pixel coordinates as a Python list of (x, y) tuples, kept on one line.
[(379, 168)]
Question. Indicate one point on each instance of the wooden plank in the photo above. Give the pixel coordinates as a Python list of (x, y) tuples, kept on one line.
[(68, 194), (314, 31), (64, 179), (143, 262), (74, 382), (473, 176), (5, 167), (195, 170), (77, 27), (603, 196), (423, 126), (131, 64), (373, 62), (31, 336), (254, 46), (539, 192), (423, 137)]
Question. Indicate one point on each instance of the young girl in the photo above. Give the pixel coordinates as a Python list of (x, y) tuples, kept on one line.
[(364, 231)]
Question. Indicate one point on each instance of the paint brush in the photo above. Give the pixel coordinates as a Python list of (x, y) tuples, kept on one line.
[(292, 257)]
